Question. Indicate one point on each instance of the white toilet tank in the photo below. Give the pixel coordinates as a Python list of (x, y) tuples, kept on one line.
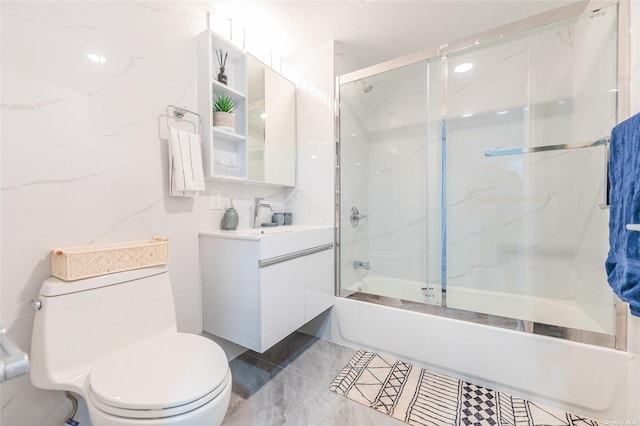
[(80, 321)]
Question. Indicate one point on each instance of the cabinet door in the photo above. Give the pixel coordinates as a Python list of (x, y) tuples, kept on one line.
[(319, 283), (282, 300)]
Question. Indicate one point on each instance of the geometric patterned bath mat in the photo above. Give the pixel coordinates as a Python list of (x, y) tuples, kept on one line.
[(419, 397)]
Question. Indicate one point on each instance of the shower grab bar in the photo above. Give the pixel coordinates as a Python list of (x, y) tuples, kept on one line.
[(601, 141)]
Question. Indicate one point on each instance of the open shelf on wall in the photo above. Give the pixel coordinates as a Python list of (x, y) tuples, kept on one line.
[(224, 151), (220, 88), (226, 135)]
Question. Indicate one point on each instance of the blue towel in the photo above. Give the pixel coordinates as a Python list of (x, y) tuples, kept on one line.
[(623, 261)]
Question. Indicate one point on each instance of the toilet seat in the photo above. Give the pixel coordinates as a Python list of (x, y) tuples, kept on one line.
[(163, 376)]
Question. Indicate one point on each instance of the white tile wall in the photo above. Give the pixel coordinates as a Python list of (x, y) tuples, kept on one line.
[(84, 154), (311, 202)]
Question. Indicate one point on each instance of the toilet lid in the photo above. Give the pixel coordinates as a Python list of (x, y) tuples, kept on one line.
[(164, 372)]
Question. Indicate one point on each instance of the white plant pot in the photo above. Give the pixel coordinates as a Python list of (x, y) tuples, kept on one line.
[(225, 120)]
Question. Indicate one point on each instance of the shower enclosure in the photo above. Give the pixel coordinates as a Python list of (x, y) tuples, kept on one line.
[(471, 182)]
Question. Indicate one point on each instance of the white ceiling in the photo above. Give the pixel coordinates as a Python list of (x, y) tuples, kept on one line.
[(372, 31)]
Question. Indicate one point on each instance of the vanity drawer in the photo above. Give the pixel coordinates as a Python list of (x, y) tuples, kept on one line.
[(286, 243)]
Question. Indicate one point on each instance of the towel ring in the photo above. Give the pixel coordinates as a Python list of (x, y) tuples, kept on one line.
[(179, 113)]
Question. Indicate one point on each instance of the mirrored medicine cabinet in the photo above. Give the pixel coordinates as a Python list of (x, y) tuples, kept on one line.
[(271, 138)]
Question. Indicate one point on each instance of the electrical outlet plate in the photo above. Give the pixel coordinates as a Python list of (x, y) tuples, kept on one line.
[(215, 199)]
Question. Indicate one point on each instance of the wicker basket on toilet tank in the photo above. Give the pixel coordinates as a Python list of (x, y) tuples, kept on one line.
[(76, 263)]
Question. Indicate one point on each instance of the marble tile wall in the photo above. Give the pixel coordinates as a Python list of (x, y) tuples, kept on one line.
[(354, 189), (383, 158), (84, 153), (397, 150)]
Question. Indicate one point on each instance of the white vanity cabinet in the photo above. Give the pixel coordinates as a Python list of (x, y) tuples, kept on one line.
[(257, 288)]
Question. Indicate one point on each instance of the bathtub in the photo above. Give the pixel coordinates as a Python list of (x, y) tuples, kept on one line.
[(565, 313), (591, 380)]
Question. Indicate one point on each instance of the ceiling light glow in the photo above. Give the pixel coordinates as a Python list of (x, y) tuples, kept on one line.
[(463, 67), (98, 59)]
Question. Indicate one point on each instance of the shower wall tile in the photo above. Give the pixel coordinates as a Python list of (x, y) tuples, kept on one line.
[(354, 189), (397, 150), (552, 103), (398, 203), (469, 138), (507, 223), (485, 232), (497, 82), (595, 55)]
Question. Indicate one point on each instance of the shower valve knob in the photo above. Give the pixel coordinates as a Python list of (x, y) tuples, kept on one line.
[(356, 216)]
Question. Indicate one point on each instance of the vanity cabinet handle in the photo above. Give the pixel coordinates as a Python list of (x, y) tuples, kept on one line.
[(290, 256)]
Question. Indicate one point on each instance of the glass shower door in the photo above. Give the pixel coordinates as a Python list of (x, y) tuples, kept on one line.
[(526, 237), (383, 186)]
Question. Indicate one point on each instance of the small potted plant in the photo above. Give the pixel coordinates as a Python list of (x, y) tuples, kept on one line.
[(224, 115)]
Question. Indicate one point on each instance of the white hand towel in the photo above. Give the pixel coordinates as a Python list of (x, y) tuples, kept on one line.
[(196, 162), (176, 176), (187, 168), (185, 164)]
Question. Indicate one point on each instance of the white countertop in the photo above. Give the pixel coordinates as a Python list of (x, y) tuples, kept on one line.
[(260, 233)]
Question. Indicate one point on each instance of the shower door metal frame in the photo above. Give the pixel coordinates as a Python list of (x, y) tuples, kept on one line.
[(619, 341)]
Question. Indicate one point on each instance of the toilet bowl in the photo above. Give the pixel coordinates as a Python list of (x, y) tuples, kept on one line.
[(112, 339)]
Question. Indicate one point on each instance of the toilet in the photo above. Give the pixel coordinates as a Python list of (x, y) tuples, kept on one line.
[(113, 340)]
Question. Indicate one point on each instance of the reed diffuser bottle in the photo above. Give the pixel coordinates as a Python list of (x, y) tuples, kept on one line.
[(222, 61)]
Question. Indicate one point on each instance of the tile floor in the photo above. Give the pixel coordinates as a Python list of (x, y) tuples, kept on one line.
[(289, 385)]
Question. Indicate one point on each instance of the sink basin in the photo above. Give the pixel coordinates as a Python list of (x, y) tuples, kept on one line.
[(265, 230), (259, 233)]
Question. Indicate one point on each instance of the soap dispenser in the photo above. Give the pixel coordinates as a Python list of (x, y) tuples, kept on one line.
[(230, 219)]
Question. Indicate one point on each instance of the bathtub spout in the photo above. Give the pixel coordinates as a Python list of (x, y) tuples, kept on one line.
[(359, 264)]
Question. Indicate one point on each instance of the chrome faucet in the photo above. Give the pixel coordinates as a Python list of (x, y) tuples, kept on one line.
[(359, 264), (257, 204)]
